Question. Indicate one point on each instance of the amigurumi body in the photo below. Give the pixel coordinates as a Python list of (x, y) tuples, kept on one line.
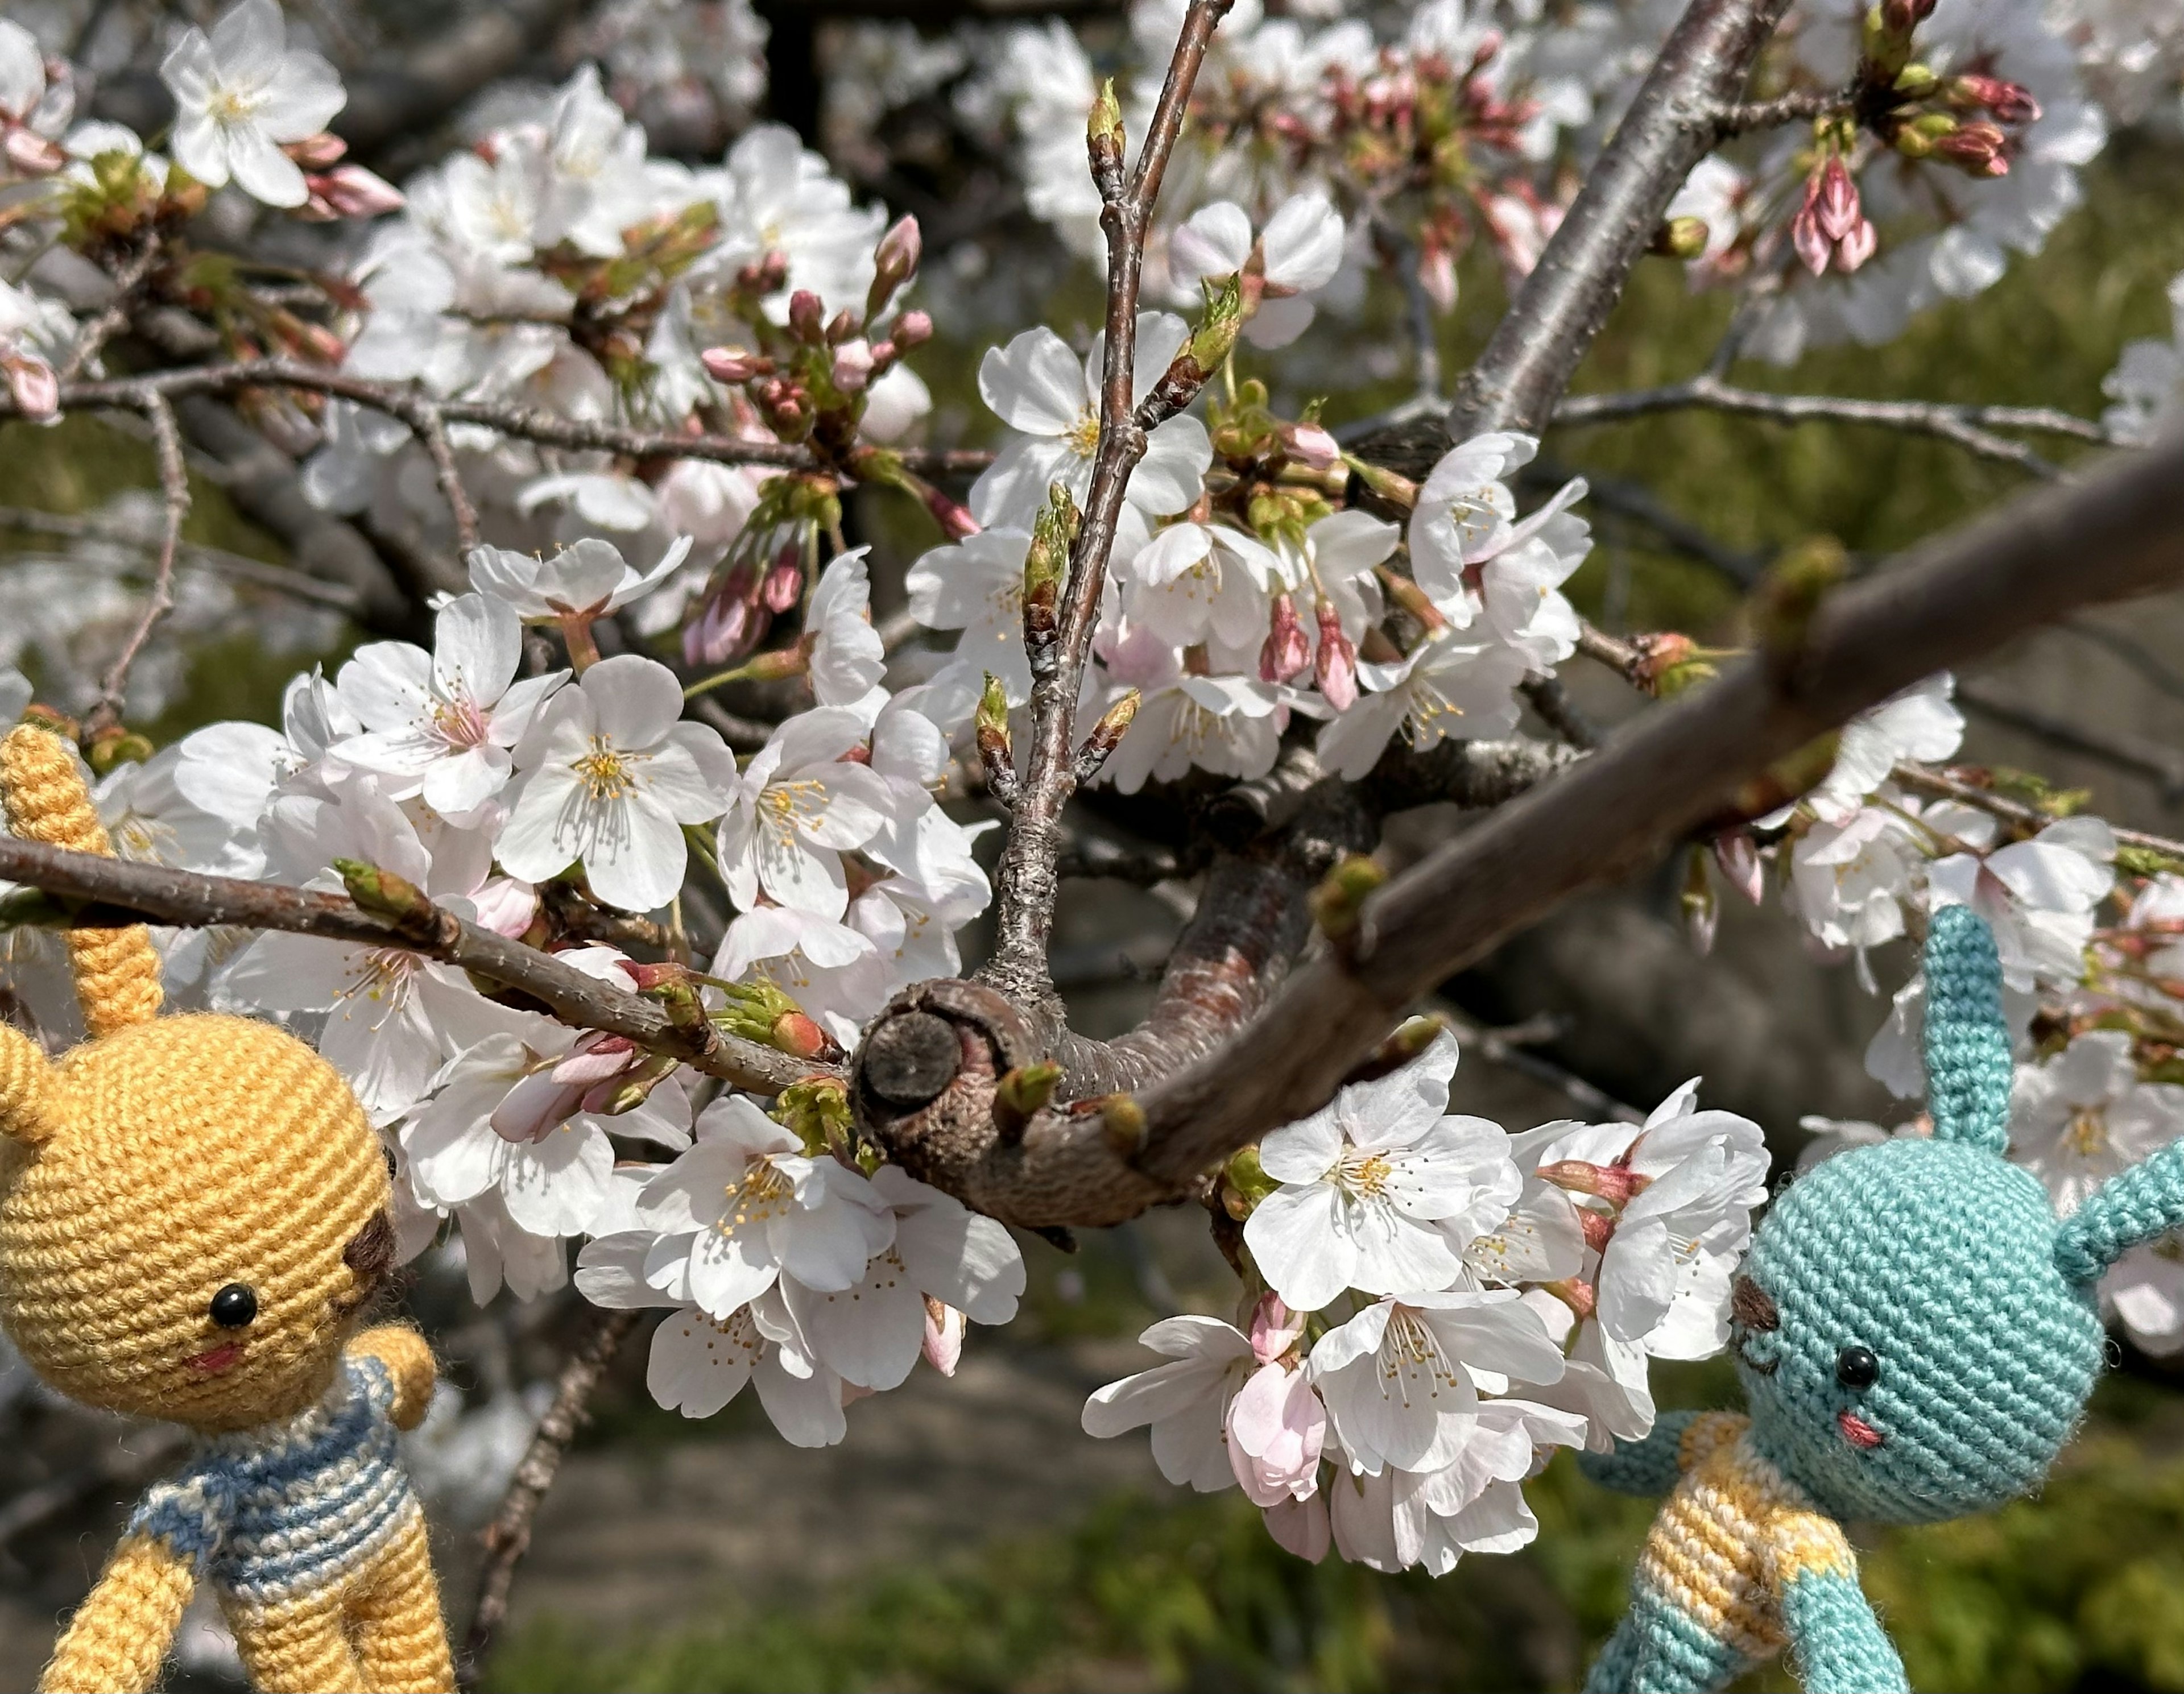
[(1916, 1335), (193, 1216)]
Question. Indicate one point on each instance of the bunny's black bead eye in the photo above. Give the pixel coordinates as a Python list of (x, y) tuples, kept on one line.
[(235, 1306), (1857, 1367)]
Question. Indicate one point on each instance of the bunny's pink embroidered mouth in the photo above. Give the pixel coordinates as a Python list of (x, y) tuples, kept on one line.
[(1856, 1431)]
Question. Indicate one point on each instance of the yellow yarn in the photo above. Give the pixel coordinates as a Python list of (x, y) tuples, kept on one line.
[(117, 973), (119, 1635), (149, 1168)]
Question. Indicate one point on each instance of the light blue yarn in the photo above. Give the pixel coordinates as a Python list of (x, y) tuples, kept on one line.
[(1841, 1647), (1968, 1068), (1947, 1264)]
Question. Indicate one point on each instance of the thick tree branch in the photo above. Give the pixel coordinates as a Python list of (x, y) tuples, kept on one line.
[(1950, 600), (1673, 123), (1025, 884), (101, 893), (1971, 428), (1665, 775)]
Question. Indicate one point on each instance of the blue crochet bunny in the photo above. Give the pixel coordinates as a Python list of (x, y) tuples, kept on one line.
[(1916, 1335)]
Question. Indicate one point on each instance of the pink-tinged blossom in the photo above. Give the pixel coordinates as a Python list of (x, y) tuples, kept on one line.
[(1185, 1400)]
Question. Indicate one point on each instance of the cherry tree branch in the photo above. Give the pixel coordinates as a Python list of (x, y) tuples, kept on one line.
[(276, 578), (1971, 428), (97, 892), (419, 410), (1097, 1161), (508, 1537), (1674, 122), (1025, 884), (1942, 784), (175, 493), (1739, 118)]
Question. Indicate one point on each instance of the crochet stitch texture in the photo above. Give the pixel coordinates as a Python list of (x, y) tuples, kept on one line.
[(1916, 1335), (160, 1163)]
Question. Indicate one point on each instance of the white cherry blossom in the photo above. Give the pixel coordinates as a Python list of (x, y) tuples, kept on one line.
[(796, 808), (613, 772), (1185, 1400), (440, 725), (1298, 252), (1050, 401), (587, 577), (1446, 689), (1379, 1190), (2082, 1116), (242, 92)]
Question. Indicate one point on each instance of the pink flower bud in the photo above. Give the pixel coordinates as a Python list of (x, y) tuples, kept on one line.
[(911, 329), (31, 381), (1311, 446), (1274, 1329), (1856, 248), (349, 191), (1978, 149), (784, 584), (30, 153), (1335, 668), (730, 623), (735, 365), (316, 152), (1836, 205), (841, 326), (896, 258), (2009, 101), (807, 316), (854, 364), (952, 516), (1286, 653), (1738, 855), (1812, 247), (944, 1336)]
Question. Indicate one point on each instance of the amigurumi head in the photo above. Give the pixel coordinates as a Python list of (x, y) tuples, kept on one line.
[(193, 1209), (1916, 1335)]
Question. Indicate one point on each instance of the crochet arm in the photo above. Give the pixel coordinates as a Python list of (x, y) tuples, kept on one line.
[(122, 1630), (1836, 1640), (407, 1357), (1650, 1466)]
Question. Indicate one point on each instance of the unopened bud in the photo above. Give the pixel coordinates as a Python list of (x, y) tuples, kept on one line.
[(1858, 246), (735, 366), (1103, 140), (840, 327), (994, 752), (1615, 1184), (1285, 653), (1122, 1125), (384, 893), (669, 986), (1738, 855), (1792, 592), (784, 583), (894, 262), (1342, 894), (1836, 205), (1978, 149), (1334, 666), (2008, 102), (1022, 1095), (817, 1111), (349, 191), (854, 363), (30, 153), (911, 329), (1309, 445), (318, 151), (1248, 1176), (112, 748), (1397, 489), (1684, 237), (807, 316), (1915, 81), (1046, 560), (1106, 735), (1668, 663)]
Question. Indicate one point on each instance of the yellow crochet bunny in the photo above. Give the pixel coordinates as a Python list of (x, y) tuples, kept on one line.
[(192, 1213)]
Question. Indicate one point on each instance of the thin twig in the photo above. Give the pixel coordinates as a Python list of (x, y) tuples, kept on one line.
[(2136, 753), (99, 893), (1944, 785), (508, 1537), (1970, 427), (1026, 884), (276, 578), (175, 491), (432, 430), (1741, 118), (127, 281), (1498, 1047), (410, 405)]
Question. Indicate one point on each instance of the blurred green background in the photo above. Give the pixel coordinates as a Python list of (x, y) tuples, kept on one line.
[(2080, 1589)]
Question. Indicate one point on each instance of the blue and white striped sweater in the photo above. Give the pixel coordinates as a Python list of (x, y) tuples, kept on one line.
[(271, 1512)]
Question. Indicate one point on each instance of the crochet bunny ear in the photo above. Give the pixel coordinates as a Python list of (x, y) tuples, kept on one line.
[(117, 973), (29, 1104), (2130, 1209), (1968, 1065)]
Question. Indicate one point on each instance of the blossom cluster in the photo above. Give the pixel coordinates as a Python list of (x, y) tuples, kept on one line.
[(1443, 1305)]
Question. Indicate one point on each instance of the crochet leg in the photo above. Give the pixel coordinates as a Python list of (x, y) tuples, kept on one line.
[(400, 1635), (1658, 1649), (297, 1646)]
